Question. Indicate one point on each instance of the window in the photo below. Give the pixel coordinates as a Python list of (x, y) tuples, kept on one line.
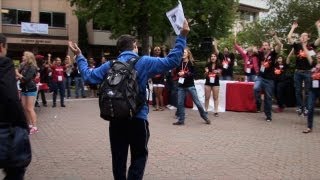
[(53, 19), (59, 19), (247, 16), (45, 18), (24, 16), (96, 26), (14, 16)]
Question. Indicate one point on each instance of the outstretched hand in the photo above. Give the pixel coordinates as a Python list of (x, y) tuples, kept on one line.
[(74, 48), (185, 29), (294, 25)]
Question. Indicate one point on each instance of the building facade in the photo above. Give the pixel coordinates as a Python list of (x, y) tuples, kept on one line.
[(57, 16)]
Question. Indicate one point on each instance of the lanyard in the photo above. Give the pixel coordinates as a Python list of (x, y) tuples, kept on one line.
[(185, 67)]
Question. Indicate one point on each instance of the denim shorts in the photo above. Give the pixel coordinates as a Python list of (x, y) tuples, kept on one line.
[(34, 93)]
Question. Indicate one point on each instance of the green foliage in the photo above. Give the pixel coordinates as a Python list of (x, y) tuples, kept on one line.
[(282, 15), (145, 18), (210, 18), (305, 12)]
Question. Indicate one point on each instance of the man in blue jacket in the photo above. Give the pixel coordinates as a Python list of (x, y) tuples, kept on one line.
[(134, 132)]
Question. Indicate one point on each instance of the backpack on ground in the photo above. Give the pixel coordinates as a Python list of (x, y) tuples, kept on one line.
[(119, 97)]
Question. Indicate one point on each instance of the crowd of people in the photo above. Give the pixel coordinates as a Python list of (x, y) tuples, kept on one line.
[(175, 71)]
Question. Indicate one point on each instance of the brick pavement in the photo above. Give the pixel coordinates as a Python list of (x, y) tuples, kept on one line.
[(73, 145)]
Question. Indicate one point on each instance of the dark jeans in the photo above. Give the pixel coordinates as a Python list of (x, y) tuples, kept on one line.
[(58, 86), (281, 88), (267, 85), (134, 134), (173, 93), (299, 77), (314, 94), (68, 85), (79, 86), (43, 97), (182, 93), (15, 151)]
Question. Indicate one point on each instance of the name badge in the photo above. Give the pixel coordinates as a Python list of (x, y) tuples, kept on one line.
[(59, 78), (248, 70), (212, 79), (262, 68), (181, 80), (315, 83)]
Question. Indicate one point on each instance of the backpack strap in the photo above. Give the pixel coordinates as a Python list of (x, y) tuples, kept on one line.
[(132, 62)]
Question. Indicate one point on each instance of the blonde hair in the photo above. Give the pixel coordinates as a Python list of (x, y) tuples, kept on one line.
[(30, 58), (189, 56)]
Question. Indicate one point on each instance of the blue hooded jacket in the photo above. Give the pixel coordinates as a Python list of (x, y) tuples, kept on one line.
[(146, 67)]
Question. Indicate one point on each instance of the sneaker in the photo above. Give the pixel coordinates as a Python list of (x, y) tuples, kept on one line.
[(178, 123), (278, 110), (207, 121), (268, 119), (299, 111), (33, 130), (305, 112)]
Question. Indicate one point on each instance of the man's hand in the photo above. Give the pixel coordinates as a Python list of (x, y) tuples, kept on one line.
[(294, 25), (74, 48), (185, 29)]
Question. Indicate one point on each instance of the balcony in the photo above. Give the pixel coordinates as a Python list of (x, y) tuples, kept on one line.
[(14, 29)]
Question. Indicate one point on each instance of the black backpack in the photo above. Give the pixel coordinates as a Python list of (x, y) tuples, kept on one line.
[(119, 97)]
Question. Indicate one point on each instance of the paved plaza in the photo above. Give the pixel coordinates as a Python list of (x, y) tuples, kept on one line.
[(73, 144)]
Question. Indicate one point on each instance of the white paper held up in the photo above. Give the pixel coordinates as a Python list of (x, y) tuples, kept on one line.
[(176, 18)]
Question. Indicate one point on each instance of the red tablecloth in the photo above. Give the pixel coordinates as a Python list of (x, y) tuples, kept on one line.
[(44, 86), (240, 97)]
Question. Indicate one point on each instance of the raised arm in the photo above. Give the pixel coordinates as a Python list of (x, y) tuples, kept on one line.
[(289, 56), (293, 27), (49, 59), (279, 45), (215, 46), (317, 42)]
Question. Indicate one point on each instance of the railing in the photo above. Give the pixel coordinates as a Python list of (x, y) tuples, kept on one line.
[(16, 29)]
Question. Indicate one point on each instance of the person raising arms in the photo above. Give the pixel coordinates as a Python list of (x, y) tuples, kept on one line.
[(133, 133)]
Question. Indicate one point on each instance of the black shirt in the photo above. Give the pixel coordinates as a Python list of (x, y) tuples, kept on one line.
[(266, 64), (302, 62)]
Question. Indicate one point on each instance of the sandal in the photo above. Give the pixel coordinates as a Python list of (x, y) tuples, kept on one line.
[(216, 114), (156, 109), (308, 130), (161, 109)]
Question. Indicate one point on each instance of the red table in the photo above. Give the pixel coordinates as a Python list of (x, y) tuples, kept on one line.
[(240, 97)]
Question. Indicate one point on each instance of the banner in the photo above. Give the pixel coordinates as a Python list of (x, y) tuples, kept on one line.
[(34, 28)]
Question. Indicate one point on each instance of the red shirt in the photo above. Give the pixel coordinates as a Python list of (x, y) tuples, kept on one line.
[(58, 73)]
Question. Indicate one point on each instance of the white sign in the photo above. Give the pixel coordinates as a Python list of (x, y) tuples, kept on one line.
[(176, 18), (34, 28)]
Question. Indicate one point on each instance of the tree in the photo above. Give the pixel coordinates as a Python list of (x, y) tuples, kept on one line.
[(280, 18), (146, 18)]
